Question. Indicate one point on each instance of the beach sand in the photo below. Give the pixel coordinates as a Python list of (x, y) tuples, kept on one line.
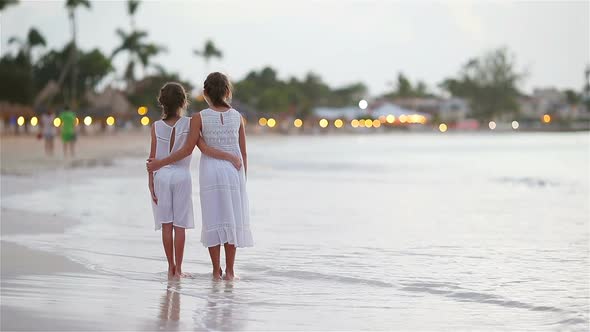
[(24, 155)]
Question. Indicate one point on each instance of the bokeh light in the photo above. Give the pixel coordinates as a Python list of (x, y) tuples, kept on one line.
[(362, 123), (515, 124), (368, 123), (338, 123), (546, 118), (142, 110), (376, 123), (403, 118), (298, 123), (145, 121), (390, 118), (382, 118), (363, 104), (110, 121), (262, 121), (442, 127), (354, 123), (56, 122), (77, 121), (271, 122), (88, 121), (34, 121), (492, 125), (323, 123), (20, 121)]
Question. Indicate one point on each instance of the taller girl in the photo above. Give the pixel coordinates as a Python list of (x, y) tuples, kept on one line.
[(224, 201)]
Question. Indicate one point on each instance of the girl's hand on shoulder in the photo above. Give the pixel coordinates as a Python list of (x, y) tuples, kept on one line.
[(152, 165)]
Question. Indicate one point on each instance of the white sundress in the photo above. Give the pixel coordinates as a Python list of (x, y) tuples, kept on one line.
[(172, 183), (224, 201)]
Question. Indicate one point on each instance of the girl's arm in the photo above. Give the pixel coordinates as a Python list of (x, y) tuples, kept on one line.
[(243, 146), (187, 148), (218, 154), (151, 174)]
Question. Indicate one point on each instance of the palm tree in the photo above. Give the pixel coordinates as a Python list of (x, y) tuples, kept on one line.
[(209, 51), (71, 6), (138, 50), (34, 39)]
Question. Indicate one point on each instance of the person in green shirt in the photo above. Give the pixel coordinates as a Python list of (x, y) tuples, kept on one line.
[(68, 130)]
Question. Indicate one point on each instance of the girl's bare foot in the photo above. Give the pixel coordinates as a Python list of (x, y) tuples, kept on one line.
[(230, 276), (179, 274), (171, 271), (217, 274)]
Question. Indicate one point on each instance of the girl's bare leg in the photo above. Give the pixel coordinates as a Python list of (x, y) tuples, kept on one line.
[(168, 247), (230, 257), (178, 249), (215, 252)]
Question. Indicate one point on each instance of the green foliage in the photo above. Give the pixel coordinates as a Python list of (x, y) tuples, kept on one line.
[(147, 90), (132, 6), (73, 4), (6, 3), (264, 92), (405, 89), (138, 49), (94, 66), (489, 84), (209, 51), (16, 85)]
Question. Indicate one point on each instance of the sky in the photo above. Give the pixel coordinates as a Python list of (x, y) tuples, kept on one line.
[(343, 41)]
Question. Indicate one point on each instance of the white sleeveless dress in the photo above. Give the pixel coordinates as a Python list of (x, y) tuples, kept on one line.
[(172, 183), (224, 201)]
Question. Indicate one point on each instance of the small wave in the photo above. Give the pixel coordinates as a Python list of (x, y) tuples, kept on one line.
[(476, 297), (527, 181)]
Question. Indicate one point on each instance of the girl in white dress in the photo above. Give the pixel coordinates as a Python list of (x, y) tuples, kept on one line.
[(171, 187), (224, 201)]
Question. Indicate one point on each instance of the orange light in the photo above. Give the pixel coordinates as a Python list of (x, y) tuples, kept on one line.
[(298, 123), (354, 123), (546, 118), (271, 123), (323, 123), (262, 121), (142, 110), (376, 123), (338, 123)]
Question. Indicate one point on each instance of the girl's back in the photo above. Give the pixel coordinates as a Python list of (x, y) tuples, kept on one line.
[(170, 138)]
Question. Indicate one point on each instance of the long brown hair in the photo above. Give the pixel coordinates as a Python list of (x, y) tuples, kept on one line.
[(217, 88), (172, 99)]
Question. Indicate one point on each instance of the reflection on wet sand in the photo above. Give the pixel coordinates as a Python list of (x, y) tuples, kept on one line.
[(222, 310), (170, 307)]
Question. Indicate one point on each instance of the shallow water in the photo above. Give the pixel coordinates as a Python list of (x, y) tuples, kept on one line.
[(412, 232)]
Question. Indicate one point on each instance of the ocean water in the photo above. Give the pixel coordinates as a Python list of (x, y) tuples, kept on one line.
[(376, 232)]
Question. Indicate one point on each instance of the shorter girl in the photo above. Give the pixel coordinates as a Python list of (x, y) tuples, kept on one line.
[(171, 186)]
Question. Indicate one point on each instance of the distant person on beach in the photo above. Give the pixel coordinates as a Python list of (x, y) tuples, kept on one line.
[(224, 201), (68, 130), (171, 186), (48, 131)]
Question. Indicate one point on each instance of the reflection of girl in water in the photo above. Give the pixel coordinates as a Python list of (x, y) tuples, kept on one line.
[(170, 306)]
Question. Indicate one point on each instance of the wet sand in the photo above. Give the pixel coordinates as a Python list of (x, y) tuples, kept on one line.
[(22, 161)]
